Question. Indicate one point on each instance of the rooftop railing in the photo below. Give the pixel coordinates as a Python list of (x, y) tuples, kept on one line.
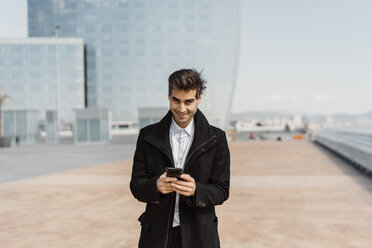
[(353, 144)]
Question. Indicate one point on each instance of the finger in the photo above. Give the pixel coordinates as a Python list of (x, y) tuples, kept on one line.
[(184, 183), (170, 179), (185, 193), (165, 185), (166, 189), (166, 180), (181, 188), (187, 178)]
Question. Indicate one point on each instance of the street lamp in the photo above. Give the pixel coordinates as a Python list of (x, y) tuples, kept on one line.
[(56, 33), (2, 99)]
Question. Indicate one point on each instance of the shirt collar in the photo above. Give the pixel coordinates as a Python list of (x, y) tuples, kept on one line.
[(189, 129)]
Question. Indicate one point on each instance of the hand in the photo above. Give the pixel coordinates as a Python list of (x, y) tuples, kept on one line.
[(163, 184), (186, 187)]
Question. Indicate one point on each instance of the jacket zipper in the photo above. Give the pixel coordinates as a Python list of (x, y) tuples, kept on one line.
[(213, 137), (173, 194)]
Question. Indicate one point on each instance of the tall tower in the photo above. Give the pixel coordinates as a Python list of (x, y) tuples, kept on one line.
[(132, 46)]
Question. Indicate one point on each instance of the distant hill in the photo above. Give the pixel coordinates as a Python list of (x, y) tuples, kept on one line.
[(339, 117), (350, 117), (344, 117), (368, 115), (260, 115)]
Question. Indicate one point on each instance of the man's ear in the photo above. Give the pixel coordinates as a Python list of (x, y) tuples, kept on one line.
[(200, 97)]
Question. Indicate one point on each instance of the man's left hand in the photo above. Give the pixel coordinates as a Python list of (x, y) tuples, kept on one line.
[(186, 187)]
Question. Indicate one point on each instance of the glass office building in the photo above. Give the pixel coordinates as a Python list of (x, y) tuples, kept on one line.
[(44, 74), (23, 124), (132, 46)]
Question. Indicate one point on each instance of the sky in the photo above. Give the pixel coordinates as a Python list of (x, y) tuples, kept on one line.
[(297, 56), (305, 56)]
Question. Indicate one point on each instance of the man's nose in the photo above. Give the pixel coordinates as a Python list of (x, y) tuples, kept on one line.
[(182, 108)]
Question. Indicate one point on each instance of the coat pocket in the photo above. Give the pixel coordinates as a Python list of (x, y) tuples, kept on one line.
[(145, 230), (211, 239), (145, 222)]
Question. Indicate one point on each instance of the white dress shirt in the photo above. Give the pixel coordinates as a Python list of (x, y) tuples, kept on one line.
[(180, 142)]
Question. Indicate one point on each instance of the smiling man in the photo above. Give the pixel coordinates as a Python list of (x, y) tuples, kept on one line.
[(180, 211)]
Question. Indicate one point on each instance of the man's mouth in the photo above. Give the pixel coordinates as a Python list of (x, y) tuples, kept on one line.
[(181, 115)]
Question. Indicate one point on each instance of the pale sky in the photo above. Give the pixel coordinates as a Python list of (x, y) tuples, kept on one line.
[(296, 56), (306, 56)]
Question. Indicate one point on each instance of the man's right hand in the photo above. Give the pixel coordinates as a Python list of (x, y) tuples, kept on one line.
[(164, 183)]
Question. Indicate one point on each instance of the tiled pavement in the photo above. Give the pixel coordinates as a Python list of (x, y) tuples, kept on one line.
[(288, 194)]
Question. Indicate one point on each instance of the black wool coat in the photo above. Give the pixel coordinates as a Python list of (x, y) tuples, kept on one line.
[(208, 162)]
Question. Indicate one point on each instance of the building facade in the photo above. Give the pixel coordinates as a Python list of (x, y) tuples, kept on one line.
[(44, 74), (21, 125), (132, 46)]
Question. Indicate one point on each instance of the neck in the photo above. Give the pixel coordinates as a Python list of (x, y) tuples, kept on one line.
[(182, 125)]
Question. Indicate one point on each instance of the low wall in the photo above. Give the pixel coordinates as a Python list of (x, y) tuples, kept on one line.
[(354, 146)]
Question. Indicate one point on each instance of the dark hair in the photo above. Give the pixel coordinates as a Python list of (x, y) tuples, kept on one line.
[(186, 79)]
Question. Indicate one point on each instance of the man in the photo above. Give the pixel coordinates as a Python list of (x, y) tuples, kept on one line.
[(180, 213)]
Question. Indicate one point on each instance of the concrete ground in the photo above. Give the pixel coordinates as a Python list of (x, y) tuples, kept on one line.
[(25, 161), (283, 194)]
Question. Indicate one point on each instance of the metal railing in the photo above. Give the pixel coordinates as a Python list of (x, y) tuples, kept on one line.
[(354, 145)]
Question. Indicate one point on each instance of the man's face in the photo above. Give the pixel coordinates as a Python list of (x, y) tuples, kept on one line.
[(183, 106)]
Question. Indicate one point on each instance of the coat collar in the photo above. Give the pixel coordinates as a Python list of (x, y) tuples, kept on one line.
[(203, 131), (160, 135)]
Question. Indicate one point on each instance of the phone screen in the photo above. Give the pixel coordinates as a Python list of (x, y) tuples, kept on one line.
[(174, 172)]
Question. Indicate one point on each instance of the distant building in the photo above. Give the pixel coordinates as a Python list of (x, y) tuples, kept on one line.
[(43, 74), (28, 73), (133, 46), (150, 115), (21, 125), (92, 125)]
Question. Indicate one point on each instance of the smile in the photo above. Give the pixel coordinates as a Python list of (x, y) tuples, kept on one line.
[(181, 115)]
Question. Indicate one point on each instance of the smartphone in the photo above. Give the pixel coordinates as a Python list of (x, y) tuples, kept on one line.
[(174, 172)]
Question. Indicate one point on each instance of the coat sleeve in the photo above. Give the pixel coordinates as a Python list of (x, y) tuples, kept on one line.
[(142, 185), (217, 189)]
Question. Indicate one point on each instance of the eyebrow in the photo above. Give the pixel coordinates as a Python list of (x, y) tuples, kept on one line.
[(187, 100)]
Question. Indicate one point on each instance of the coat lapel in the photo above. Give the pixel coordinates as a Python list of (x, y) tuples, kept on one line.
[(160, 139), (203, 133)]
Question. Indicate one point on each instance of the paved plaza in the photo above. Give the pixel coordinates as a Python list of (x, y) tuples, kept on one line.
[(25, 161), (283, 194)]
